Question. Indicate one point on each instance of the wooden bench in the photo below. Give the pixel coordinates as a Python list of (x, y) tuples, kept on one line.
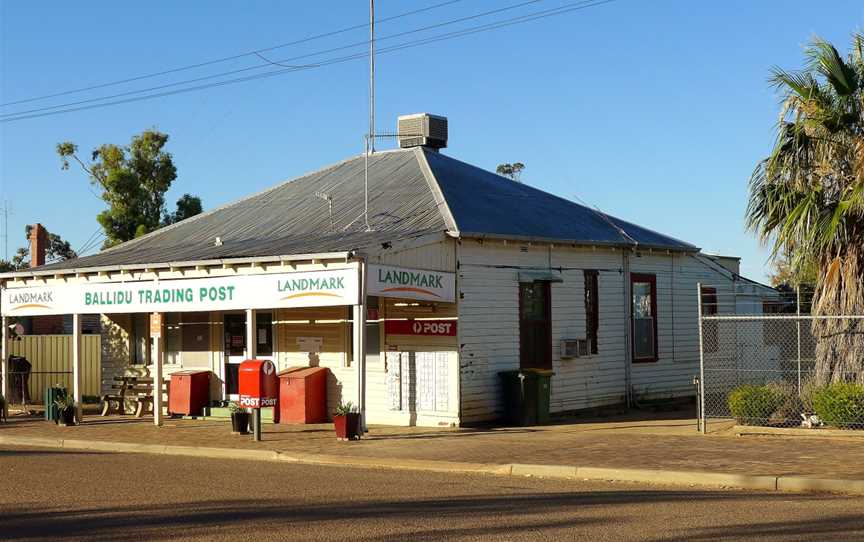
[(139, 388)]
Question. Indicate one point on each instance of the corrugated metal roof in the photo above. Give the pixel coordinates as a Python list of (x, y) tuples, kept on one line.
[(484, 203), (412, 192), (290, 219)]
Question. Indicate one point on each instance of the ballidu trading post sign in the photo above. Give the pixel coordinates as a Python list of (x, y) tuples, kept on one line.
[(266, 291), (388, 281)]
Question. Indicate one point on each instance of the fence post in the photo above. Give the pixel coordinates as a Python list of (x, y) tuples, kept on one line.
[(702, 413), (77, 366), (798, 325)]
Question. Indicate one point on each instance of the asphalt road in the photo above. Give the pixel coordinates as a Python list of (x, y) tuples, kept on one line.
[(50, 494)]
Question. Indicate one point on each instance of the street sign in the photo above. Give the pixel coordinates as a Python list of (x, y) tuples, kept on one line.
[(156, 325)]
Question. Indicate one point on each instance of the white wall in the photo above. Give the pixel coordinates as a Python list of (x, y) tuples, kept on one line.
[(489, 325), (678, 325)]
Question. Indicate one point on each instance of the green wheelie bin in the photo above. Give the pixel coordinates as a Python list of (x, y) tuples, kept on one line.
[(526, 395), (51, 412)]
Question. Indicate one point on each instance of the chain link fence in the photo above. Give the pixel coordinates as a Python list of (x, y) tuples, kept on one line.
[(767, 362)]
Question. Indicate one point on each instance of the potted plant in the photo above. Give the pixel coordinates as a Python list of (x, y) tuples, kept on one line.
[(65, 410), (346, 421), (239, 419)]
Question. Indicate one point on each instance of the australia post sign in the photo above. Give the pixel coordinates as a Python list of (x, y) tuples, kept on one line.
[(433, 328), (276, 290), (389, 281)]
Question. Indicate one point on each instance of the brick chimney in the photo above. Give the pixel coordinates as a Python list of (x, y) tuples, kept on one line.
[(38, 245)]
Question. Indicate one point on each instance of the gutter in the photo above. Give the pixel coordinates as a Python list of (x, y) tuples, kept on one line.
[(581, 243), (37, 272)]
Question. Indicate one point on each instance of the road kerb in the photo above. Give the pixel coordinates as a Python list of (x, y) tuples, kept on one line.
[(805, 484), (699, 478), (405, 464), (31, 441), (103, 446), (221, 453), (543, 471), (694, 478)]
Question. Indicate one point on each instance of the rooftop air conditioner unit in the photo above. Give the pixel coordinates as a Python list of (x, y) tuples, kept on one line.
[(422, 130)]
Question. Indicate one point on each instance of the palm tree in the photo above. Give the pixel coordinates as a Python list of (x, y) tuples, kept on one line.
[(807, 197)]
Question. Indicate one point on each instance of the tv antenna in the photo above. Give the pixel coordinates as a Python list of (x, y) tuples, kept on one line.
[(329, 199)]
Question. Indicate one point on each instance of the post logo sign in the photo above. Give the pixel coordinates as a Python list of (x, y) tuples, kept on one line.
[(277, 290), (389, 281), (428, 328)]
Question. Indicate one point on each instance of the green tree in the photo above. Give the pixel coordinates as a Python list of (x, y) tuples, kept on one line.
[(784, 273), (807, 197), (514, 170), (57, 250), (187, 206), (133, 180)]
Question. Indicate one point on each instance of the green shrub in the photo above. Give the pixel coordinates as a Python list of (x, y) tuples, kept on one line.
[(754, 405), (344, 409), (840, 404)]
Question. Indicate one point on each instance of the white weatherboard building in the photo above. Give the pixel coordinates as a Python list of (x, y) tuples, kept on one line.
[(461, 274)]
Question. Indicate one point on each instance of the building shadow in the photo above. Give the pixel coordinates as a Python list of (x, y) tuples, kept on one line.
[(450, 517)]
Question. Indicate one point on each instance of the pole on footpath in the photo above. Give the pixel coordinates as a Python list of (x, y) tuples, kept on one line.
[(798, 326), (704, 417), (156, 333), (256, 424)]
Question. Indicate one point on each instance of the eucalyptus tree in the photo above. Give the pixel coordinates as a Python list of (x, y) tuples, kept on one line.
[(807, 196), (133, 181)]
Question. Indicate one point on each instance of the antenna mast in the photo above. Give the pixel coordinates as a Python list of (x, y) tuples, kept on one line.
[(370, 136), (372, 75), (6, 213)]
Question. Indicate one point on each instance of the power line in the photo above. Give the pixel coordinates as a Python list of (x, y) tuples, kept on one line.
[(227, 58), (94, 244), (87, 243), (584, 4), (280, 63)]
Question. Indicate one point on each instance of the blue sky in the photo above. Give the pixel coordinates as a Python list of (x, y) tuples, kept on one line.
[(655, 111)]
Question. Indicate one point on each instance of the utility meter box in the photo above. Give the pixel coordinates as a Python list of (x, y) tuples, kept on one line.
[(259, 384)]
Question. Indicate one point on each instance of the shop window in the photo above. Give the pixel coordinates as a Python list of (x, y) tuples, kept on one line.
[(644, 317), (195, 329), (373, 331), (373, 336), (173, 338), (535, 326), (264, 333), (139, 338), (592, 309)]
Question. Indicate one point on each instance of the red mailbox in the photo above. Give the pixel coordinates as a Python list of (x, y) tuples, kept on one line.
[(259, 385)]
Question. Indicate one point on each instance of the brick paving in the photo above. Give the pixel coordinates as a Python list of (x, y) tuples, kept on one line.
[(653, 443)]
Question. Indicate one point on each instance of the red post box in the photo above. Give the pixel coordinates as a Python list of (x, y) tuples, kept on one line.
[(259, 385)]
